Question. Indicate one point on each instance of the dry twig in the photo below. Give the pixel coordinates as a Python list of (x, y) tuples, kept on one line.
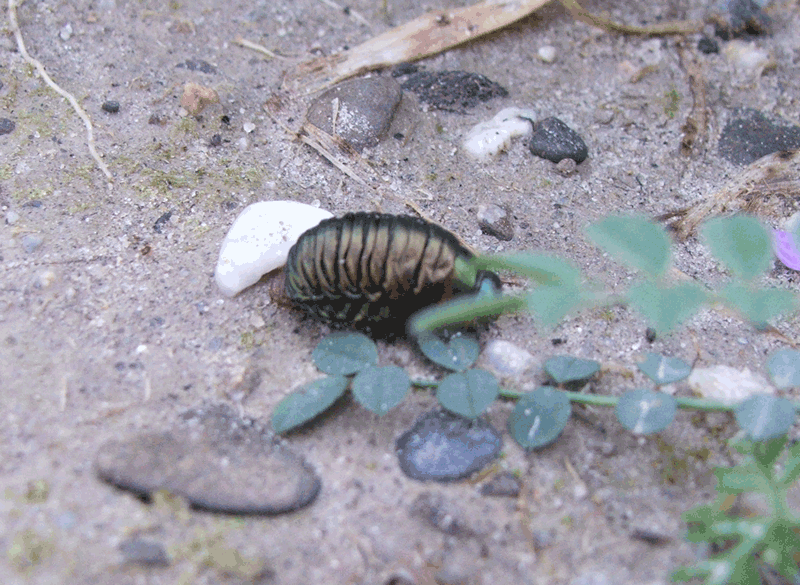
[(12, 17), (677, 27), (775, 174)]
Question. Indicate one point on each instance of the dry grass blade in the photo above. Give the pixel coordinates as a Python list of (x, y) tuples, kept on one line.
[(675, 27), (429, 34), (775, 174)]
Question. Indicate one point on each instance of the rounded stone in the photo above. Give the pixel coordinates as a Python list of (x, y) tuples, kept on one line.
[(554, 140), (216, 461), (6, 126), (445, 447), (359, 110), (112, 107)]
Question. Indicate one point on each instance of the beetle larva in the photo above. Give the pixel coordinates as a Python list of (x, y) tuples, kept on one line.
[(373, 270)]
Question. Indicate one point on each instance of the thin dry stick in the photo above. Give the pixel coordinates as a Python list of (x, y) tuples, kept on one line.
[(677, 27), (12, 17), (259, 48)]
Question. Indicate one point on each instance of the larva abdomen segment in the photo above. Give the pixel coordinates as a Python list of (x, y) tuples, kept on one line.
[(372, 269)]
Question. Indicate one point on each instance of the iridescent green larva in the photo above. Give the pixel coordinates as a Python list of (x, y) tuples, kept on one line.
[(374, 270)]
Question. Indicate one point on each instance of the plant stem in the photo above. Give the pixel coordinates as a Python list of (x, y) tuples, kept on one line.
[(688, 403)]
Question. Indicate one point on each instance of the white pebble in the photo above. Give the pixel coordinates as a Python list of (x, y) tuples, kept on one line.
[(259, 241), (727, 384), (748, 58), (490, 138), (248, 127), (547, 53), (506, 359)]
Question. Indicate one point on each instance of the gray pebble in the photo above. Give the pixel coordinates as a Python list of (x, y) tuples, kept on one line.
[(31, 242), (216, 461), (567, 167), (604, 115), (503, 484), (495, 221), (110, 106), (360, 110), (445, 447), (506, 359), (144, 552), (750, 134), (6, 126), (12, 217), (554, 140)]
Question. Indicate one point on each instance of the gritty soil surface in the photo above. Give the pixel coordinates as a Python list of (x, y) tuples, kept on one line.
[(111, 323)]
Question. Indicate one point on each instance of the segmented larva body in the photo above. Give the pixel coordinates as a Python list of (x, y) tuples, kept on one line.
[(373, 269)]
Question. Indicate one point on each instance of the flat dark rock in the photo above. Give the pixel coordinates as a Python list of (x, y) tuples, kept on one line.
[(554, 140), (363, 110), (217, 461), (445, 447), (750, 134), (453, 91)]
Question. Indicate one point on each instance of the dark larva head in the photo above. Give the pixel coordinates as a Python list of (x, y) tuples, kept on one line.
[(374, 270)]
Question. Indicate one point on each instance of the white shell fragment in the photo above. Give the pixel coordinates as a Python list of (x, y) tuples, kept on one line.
[(726, 384), (259, 241), (489, 138)]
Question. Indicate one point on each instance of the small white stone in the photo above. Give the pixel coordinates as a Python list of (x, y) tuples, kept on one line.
[(259, 241), (66, 32), (12, 217), (490, 138), (506, 359), (748, 58), (726, 384), (547, 53), (248, 127)]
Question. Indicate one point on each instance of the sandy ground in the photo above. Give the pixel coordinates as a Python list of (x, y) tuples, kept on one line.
[(110, 327)]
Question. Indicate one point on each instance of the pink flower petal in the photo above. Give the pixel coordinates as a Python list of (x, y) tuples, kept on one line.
[(786, 249)]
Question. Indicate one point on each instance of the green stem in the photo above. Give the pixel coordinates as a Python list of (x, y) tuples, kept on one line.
[(703, 404)]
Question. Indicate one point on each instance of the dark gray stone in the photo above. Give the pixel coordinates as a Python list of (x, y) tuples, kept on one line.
[(6, 126), (144, 552), (445, 447), (453, 91), (363, 108), (750, 134), (216, 461), (554, 140), (495, 221), (502, 484), (111, 106), (707, 46)]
